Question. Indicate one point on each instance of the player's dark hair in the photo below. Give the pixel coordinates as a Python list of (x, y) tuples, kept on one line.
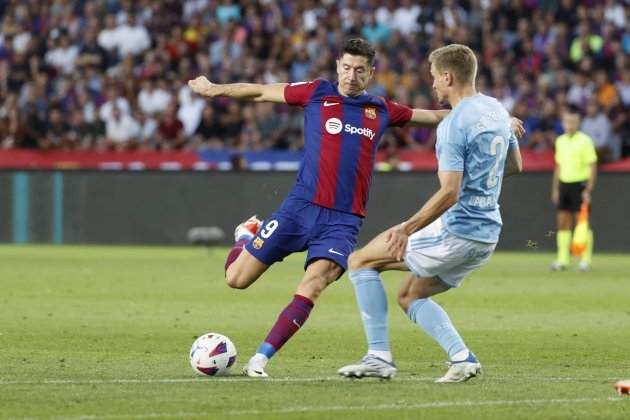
[(572, 109), (359, 46)]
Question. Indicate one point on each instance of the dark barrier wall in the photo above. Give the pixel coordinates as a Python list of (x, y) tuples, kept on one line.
[(160, 207)]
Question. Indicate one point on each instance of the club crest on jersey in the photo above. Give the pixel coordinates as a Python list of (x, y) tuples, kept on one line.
[(370, 112), (258, 243), (333, 125)]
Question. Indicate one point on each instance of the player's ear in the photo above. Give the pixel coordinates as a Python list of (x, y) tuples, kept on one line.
[(448, 77)]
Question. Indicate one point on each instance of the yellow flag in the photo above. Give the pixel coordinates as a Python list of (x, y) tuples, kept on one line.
[(580, 234)]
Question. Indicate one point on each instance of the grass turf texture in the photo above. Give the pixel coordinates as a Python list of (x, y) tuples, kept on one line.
[(104, 332)]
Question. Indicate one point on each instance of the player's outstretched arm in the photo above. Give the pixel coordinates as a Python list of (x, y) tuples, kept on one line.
[(513, 162), (243, 91), (427, 117), (442, 200)]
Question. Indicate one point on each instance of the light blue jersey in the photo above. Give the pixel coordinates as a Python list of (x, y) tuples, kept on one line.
[(474, 139)]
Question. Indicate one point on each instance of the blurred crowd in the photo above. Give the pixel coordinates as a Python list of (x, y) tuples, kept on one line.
[(111, 74)]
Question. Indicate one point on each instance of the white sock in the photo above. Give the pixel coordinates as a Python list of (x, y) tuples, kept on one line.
[(385, 355), (462, 355), (259, 360)]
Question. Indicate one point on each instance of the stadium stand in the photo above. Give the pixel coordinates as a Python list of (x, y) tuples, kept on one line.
[(100, 77)]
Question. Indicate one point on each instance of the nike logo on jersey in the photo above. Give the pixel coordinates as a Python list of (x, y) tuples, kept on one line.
[(297, 324), (332, 251), (326, 103)]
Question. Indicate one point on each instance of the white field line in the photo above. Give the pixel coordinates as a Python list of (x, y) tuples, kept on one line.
[(341, 408), (240, 379)]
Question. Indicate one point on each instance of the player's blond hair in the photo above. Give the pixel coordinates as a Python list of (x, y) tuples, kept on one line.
[(457, 59)]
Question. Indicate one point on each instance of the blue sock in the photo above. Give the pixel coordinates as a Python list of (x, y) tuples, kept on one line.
[(434, 321), (266, 349), (372, 302)]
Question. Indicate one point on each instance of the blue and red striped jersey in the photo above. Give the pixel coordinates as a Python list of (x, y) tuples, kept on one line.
[(341, 137)]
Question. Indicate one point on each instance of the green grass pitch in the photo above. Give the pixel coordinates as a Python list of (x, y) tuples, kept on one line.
[(104, 333)]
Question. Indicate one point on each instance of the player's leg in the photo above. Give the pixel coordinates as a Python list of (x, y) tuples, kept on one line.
[(328, 247), (319, 274), (365, 266), (245, 270), (563, 240), (438, 267), (414, 297), (241, 267), (569, 203)]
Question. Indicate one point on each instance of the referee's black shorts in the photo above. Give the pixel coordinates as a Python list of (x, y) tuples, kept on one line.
[(570, 198)]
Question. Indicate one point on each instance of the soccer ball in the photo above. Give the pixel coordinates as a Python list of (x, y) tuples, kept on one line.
[(212, 354)]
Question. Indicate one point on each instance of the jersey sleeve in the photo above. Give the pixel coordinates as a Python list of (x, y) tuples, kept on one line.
[(452, 149), (398, 114), (299, 93)]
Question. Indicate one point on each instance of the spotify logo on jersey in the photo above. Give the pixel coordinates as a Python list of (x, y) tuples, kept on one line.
[(333, 125)]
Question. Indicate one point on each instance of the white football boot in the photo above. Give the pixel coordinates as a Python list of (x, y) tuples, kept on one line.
[(369, 367), (583, 267), (461, 370), (255, 367), (557, 266), (248, 228)]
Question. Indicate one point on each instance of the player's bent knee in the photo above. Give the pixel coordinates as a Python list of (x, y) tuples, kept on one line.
[(404, 300), (356, 261), (237, 280)]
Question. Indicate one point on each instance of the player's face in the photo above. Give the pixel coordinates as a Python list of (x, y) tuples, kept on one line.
[(440, 83), (570, 123), (354, 72)]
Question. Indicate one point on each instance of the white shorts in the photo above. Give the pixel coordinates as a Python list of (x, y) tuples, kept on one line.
[(434, 252)]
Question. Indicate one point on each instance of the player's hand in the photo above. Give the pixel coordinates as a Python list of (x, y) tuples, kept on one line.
[(202, 86), (586, 197), (517, 127), (396, 241), (554, 196)]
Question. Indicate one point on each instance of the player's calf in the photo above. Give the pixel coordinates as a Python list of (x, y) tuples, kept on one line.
[(319, 275)]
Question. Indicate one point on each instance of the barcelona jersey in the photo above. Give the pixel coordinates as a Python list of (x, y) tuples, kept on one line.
[(341, 137)]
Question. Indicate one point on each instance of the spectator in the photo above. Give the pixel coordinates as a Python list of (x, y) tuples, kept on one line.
[(92, 54), (232, 122), (133, 37), (122, 131), (114, 100), (171, 130), (55, 134), (64, 56), (153, 99), (534, 56), (147, 130), (209, 133), (85, 135), (597, 126), (109, 39)]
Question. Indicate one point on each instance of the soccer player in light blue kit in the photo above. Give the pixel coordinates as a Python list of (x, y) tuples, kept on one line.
[(455, 231)]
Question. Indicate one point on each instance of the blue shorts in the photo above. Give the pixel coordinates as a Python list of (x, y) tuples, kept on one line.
[(299, 225)]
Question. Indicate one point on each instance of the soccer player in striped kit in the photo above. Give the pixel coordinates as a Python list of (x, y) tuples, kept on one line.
[(323, 213)]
